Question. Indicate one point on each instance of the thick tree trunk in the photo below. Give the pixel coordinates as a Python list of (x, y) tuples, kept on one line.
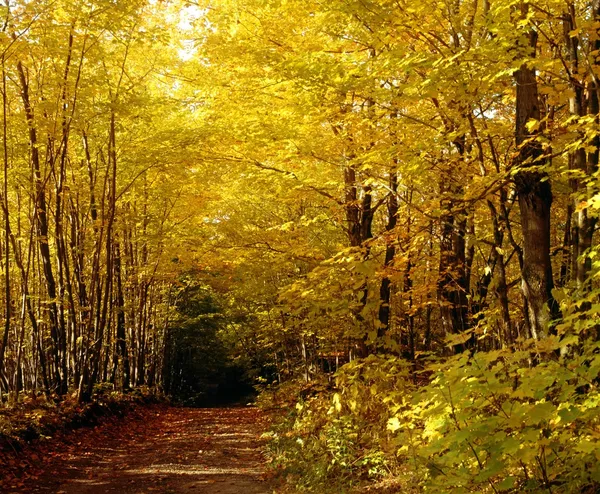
[(453, 280), (535, 200)]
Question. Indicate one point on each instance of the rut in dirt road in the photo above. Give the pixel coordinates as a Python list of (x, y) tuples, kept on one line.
[(174, 450)]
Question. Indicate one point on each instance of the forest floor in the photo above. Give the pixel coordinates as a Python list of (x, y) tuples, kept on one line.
[(153, 449)]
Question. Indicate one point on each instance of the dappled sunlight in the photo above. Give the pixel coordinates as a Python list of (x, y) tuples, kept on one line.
[(174, 449), (174, 469)]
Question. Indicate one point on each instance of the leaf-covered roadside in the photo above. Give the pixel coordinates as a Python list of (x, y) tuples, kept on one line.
[(31, 429), (156, 448)]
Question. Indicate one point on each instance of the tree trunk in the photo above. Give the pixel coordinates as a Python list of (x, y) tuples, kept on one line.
[(4, 199), (41, 218), (385, 289), (121, 342), (535, 200)]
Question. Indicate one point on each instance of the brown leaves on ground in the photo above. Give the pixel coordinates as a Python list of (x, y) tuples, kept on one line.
[(155, 449)]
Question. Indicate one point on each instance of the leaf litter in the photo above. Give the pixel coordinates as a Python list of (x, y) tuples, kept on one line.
[(154, 449)]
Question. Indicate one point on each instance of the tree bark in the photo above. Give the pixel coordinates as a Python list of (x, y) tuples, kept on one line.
[(385, 289), (41, 218), (535, 201)]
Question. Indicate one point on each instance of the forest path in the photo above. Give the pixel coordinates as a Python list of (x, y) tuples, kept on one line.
[(164, 450)]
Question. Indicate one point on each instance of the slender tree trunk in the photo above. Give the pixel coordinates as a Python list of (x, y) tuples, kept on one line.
[(453, 279), (584, 163), (7, 297), (102, 314), (385, 289), (41, 217), (121, 341)]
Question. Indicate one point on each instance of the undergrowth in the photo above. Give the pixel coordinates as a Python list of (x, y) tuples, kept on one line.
[(39, 417), (513, 420)]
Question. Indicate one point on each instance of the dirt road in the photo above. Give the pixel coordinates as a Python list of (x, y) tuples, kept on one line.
[(162, 450)]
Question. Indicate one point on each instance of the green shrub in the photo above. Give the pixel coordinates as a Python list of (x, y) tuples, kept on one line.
[(336, 438), (512, 420)]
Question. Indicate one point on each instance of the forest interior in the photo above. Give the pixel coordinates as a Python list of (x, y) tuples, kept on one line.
[(374, 218)]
